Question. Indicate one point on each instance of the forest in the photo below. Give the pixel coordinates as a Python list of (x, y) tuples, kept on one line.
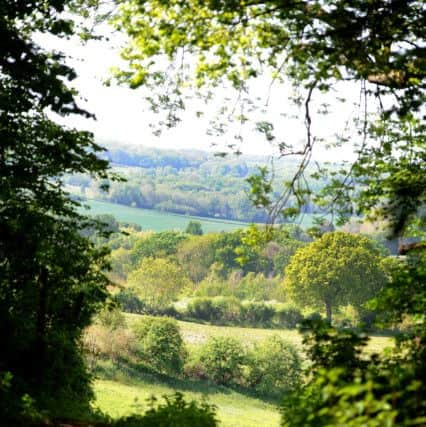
[(109, 325)]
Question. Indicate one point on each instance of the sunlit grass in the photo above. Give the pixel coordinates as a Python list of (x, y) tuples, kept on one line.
[(127, 392), (233, 409), (195, 334)]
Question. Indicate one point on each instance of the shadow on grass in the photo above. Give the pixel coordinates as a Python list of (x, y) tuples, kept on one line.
[(132, 374)]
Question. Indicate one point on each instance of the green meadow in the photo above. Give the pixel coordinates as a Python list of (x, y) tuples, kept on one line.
[(196, 334), (131, 395), (150, 219), (121, 392), (154, 220)]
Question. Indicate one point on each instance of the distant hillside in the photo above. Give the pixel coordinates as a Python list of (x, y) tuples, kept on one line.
[(183, 182)]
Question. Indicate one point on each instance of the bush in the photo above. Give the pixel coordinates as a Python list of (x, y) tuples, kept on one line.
[(274, 367), (314, 317), (175, 412), (160, 344), (288, 317), (203, 309), (222, 359), (111, 317), (101, 342), (130, 302), (228, 309), (256, 313), (168, 311), (220, 309)]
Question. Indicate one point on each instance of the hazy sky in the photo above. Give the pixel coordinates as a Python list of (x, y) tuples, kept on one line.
[(124, 117)]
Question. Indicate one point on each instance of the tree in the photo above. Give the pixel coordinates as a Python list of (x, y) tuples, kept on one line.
[(336, 269), (158, 282), (157, 245), (317, 45), (194, 227), (196, 255), (378, 45), (51, 277)]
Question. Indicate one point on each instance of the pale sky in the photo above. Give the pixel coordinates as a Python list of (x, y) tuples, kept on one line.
[(124, 117)]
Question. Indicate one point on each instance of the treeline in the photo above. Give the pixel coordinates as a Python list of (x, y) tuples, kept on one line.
[(245, 277), (183, 182)]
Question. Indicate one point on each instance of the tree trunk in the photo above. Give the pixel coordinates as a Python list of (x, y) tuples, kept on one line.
[(40, 344), (328, 311)]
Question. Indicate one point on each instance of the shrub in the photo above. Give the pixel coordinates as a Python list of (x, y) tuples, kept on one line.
[(175, 412), (256, 287), (168, 311), (220, 309), (314, 316), (202, 308), (257, 313), (222, 359), (160, 344), (228, 309), (111, 317), (130, 302), (274, 367), (288, 317), (101, 342)]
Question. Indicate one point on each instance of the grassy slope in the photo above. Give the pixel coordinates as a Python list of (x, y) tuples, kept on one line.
[(118, 398), (159, 221), (127, 394)]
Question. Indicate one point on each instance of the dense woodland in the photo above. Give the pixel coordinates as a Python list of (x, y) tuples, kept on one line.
[(85, 304)]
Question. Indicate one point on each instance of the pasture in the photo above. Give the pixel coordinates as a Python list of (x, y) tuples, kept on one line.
[(150, 219), (154, 220)]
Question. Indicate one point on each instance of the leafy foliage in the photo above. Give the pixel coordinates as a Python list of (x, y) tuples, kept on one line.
[(378, 44), (157, 282), (157, 245), (160, 344), (175, 412), (194, 227), (348, 388), (274, 367), (196, 255), (222, 359), (51, 277), (336, 269)]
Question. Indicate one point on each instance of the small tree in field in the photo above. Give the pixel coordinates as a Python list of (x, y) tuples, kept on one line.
[(336, 269)]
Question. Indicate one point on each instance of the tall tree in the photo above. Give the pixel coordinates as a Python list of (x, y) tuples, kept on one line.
[(51, 279), (336, 269), (157, 282)]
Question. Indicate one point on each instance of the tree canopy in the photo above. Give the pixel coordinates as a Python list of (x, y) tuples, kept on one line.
[(51, 277), (315, 45), (158, 282), (336, 269)]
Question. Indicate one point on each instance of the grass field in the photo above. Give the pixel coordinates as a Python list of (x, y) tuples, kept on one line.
[(123, 393), (196, 334), (159, 221), (123, 397), (150, 219)]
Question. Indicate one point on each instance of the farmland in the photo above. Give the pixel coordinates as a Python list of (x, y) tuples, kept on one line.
[(154, 220), (159, 221)]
